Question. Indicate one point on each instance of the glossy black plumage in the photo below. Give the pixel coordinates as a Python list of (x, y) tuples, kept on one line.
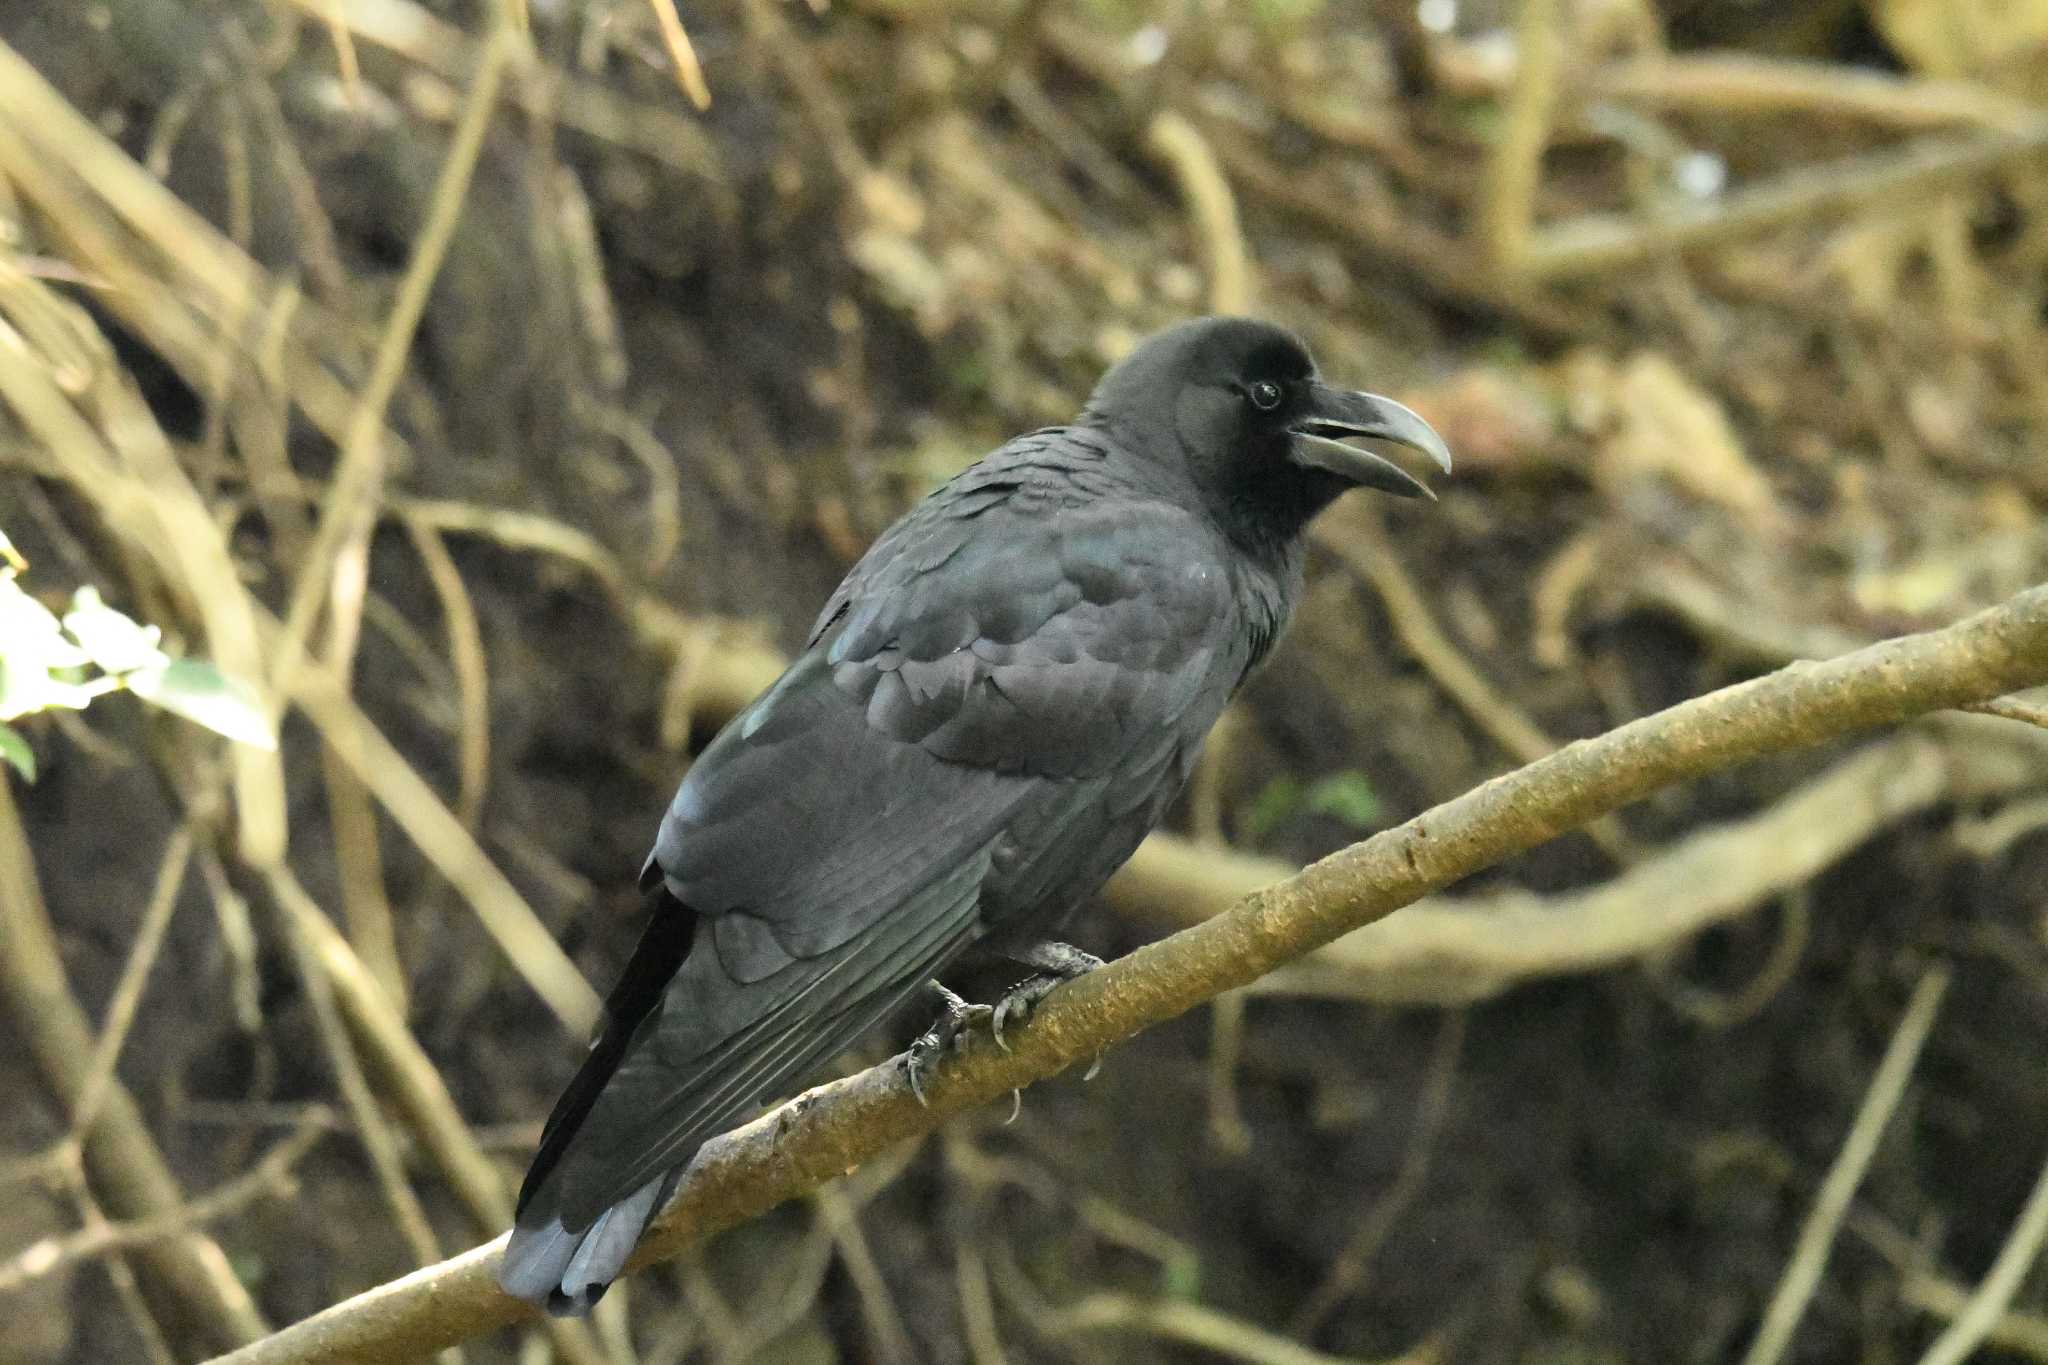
[(992, 710)]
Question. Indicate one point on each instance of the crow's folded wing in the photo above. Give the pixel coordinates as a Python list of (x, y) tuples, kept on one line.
[(1015, 645)]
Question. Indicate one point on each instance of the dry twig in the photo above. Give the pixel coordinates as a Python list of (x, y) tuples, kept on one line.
[(190, 1282), (1347, 1275), (1982, 1313), (1809, 1256), (1202, 183), (2013, 708), (356, 490), (1723, 83), (296, 909), (271, 1175), (1515, 169), (2023, 1332), (1602, 243), (689, 72)]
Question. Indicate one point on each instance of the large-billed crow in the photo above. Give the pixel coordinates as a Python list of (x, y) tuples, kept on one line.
[(992, 710)]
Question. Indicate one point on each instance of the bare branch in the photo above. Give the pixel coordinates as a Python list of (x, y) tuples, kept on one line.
[(834, 1128)]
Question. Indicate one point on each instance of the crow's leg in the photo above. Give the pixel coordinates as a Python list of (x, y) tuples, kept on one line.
[(1056, 963), (955, 1017)]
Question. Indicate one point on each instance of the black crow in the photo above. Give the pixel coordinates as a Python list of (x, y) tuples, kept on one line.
[(992, 710)]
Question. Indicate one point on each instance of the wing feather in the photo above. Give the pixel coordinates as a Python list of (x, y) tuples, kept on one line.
[(993, 708), (689, 1075)]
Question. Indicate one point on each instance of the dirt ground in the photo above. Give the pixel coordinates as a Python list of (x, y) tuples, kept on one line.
[(1753, 368)]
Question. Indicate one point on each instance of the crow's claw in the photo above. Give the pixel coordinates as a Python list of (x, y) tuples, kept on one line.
[(956, 1016), (1057, 963), (1017, 1003)]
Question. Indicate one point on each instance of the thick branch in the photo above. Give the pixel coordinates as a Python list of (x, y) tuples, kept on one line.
[(1455, 949), (834, 1128)]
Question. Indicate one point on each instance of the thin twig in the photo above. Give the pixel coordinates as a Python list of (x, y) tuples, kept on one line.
[(654, 131), (1981, 1315), (1515, 168), (1817, 1236), (374, 1131), (417, 809), (2024, 1332), (885, 1325), (1893, 177), (149, 940), (689, 72), (414, 1087), (977, 1304), (1357, 537), (1375, 226), (359, 468), (815, 95), (2013, 708), (1183, 1321), (344, 54), (1348, 1271), (190, 1281), (359, 859), (1214, 208), (271, 1175), (1724, 83), (129, 1291), (472, 674), (664, 482)]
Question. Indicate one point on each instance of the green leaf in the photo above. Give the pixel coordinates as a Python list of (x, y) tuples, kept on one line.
[(201, 693), (1348, 796), (1275, 804), (114, 640), (15, 750)]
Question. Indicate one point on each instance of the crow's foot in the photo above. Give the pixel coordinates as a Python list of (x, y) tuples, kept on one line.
[(1057, 963), (956, 1016)]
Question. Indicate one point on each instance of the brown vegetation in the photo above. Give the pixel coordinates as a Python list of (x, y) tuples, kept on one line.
[(496, 388)]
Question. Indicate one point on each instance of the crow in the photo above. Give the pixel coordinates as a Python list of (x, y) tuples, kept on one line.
[(993, 709)]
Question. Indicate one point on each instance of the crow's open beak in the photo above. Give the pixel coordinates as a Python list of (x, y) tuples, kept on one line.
[(1334, 413)]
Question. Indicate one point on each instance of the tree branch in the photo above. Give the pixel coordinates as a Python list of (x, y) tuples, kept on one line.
[(1454, 949), (836, 1127)]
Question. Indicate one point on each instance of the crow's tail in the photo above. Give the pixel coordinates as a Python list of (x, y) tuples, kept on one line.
[(566, 1270)]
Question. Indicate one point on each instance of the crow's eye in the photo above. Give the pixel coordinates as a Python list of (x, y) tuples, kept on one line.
[(1265, 395)]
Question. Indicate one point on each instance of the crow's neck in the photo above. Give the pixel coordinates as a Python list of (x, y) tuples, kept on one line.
[(1262, 505), (1268, 516)]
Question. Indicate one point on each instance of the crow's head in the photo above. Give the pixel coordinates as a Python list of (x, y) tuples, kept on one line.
[(1239, 401)]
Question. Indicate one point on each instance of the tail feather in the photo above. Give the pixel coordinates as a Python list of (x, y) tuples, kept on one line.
[(663, 946), (568, 1272)]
